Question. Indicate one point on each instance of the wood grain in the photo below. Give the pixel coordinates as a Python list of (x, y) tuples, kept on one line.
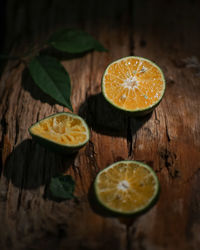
[(168, 139)]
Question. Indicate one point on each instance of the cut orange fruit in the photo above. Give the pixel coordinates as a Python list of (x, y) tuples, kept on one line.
[(133, 84), (64, 132), (127, 187)]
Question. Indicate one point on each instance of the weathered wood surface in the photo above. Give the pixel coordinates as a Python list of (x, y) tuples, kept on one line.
[(168, 140)]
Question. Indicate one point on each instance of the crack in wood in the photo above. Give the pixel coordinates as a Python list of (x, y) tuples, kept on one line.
[(134, 239), (128, 238), (19, 199), (167, 131), (129, 229), (156, 117), (4, 123), (17, 120), (129, 138), (167, 134), (38, 116), (77, 171), (4, 129), (134, 144), (3, 126), (17, 130), (91, 156), (169, 161)]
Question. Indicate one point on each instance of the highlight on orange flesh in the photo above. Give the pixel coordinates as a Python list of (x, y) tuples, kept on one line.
[(62, 129), (133, 84), (127, 187)]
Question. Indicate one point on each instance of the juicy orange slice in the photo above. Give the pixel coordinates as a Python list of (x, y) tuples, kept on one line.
[(62, 129), (126, 187), (133, 84)]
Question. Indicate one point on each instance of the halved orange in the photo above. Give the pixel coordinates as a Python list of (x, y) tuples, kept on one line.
[(133, 84), (127, 187), (63, 132)]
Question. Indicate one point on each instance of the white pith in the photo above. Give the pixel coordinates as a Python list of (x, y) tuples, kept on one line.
[(123, 185), (130, 83)]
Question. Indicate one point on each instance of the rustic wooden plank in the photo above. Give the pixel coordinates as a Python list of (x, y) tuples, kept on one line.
[(28, 220), (169, 140)]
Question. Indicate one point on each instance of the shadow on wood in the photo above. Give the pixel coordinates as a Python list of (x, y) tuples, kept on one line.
[(96, 206), (103, 118), (30, 165)]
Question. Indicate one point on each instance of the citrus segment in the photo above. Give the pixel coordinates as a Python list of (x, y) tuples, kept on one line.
[(133, 84), (126, 187), (63, 129)]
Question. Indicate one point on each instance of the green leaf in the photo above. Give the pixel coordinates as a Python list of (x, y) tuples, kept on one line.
[(74, 41), (51, 77), (61, 188)]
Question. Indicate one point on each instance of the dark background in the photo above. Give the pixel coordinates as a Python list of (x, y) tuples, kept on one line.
[(166, 32), (19, 19)]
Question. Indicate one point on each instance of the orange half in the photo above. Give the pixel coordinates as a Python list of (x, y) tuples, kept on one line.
[(133, 84), (127, 187), (62, 132)]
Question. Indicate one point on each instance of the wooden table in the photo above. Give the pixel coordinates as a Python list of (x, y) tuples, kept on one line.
[(166, 32)]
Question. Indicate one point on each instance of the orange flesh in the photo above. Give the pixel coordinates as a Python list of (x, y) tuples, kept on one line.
[(63, 129), (133, 83), (126, 187)]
